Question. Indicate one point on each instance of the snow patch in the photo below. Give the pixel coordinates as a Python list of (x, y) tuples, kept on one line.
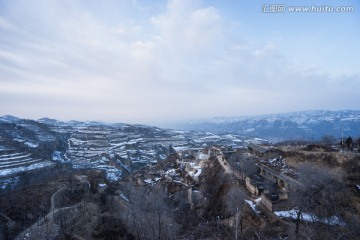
[(122, 195), (113, 175), (123, 165), (171, 172), (252, 205), (148, 181), (9, 182), (203, 156), (198, 172), (333, 220), (57, 156), (34, 166), (32, 145)]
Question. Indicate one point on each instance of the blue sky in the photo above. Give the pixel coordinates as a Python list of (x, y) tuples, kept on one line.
[(151, 61)]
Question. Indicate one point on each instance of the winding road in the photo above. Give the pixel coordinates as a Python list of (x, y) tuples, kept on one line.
[(46, 227)]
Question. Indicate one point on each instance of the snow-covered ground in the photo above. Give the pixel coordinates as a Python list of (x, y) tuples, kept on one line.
[(9, 182), (10, 171), (334, 220), (13, 156), (31, 145), (137, 144), (57, 157), (253, 205), (111, 147)]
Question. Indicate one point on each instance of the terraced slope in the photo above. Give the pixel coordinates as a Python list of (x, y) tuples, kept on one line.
[(13, 162)]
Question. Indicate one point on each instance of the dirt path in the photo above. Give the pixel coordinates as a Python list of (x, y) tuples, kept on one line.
[(46, 227), (53, 198), (224, 164)]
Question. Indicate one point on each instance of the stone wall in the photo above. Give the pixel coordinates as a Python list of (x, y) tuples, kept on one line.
[(251, 187), (281, 204)]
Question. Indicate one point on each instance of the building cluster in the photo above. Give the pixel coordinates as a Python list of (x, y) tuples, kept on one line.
[(274, 181)]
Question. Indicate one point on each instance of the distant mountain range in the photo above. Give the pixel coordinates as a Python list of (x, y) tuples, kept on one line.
[(305, 125)]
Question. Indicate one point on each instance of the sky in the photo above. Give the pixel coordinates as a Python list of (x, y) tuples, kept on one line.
[(140, 61)]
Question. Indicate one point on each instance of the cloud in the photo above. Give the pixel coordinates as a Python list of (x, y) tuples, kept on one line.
[(127, 61)]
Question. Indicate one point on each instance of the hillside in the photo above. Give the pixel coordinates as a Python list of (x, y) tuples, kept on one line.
[(189, 195), (118, 148), (306, 125)]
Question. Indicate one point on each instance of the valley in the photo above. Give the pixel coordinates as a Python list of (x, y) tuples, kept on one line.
[(92, 180)]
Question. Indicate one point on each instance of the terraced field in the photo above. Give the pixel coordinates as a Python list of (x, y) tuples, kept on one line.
[(13, 162), (114, 148)]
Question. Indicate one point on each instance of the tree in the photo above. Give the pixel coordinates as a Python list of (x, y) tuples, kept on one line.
[(328, 139), (147, 215), (349, 143), (317, 199), (234, 204)]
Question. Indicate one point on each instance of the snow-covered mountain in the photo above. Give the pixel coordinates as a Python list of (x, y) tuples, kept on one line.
[(115, 148), (120, 148), (306, 125)]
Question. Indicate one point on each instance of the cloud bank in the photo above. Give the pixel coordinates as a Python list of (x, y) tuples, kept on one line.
[(136, 62)]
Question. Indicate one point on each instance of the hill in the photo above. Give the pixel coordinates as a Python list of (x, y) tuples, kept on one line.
[(117, 149), (305, 125)]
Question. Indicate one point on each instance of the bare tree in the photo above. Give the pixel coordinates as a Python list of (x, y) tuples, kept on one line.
[(328, 139), (149, 214), (234, 204), (317, 200)]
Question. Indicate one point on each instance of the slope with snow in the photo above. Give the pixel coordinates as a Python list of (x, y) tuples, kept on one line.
[(114, 148), (124, 146), (306, 125)]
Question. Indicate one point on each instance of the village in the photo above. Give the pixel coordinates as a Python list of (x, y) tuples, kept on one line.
[(259, 184), (271, 184)]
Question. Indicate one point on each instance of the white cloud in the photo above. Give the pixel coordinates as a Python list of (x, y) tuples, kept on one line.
[(131, 62)]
